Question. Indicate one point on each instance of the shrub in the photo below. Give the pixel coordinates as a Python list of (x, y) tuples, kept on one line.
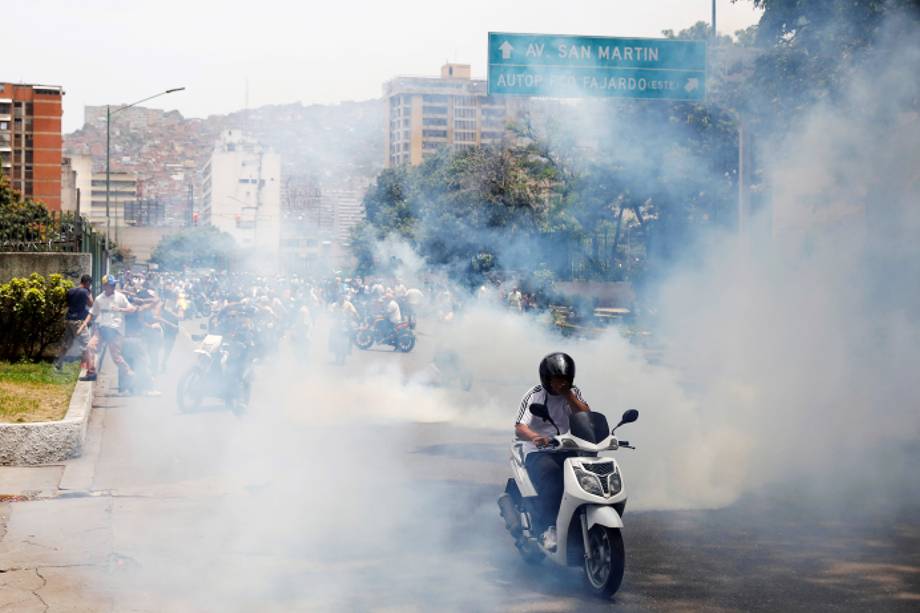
[(32, 311)]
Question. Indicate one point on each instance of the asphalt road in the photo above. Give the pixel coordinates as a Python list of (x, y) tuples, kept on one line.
[(323, 497)]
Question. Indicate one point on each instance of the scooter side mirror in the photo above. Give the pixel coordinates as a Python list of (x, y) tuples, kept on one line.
[(628, 417), (539, 410)]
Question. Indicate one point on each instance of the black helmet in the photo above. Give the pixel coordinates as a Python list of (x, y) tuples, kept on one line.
[(556, 364)]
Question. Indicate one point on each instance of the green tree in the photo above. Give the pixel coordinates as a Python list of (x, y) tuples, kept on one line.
[(809, 50), (701, 30), (746, 37), (22, 219), (461, 209), (200, 247), (387, 204), (361, 241)]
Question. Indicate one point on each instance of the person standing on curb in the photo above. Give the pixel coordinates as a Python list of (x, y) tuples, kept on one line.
[(79, 300), (108, 325)]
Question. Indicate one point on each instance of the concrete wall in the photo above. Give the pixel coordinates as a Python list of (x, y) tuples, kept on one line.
[(71, 265), (142, 240)]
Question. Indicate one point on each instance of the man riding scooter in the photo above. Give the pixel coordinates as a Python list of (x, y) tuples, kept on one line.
[(562, 399)]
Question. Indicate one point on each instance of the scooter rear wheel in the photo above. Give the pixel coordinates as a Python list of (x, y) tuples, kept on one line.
[(605, 563)]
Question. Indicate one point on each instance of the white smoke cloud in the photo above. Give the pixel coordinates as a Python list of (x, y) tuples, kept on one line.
[(790, 358)]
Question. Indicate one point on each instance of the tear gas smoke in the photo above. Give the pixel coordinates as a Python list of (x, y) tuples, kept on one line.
[(791, 358)]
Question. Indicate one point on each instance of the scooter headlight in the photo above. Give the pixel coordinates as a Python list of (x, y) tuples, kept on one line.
[(588, 482)]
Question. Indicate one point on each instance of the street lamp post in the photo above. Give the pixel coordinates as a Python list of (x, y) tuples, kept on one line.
[(108, 169)]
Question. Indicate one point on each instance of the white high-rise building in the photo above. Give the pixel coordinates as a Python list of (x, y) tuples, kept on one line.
[(241, 191), (347, 211)]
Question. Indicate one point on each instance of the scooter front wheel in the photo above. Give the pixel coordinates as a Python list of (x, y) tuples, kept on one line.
[(188, 391), (364, 339), (606, 561)]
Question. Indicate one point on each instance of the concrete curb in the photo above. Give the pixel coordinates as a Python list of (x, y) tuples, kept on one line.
[(45, 442)]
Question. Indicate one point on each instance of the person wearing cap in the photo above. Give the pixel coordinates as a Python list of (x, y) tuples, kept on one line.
[(108, 327)]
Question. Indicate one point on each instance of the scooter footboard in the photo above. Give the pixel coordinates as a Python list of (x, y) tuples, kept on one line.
[(603, 515)]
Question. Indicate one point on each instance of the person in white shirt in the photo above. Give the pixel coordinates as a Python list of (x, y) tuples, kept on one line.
[(562, 399), (392, 315), (393, 312), (515, 300), (108, 328)]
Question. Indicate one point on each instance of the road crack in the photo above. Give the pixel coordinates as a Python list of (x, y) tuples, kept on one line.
[(36, 591)]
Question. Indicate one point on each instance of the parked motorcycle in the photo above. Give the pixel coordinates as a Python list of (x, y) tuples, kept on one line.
[(589, 523), (402, 338), (223, 369)]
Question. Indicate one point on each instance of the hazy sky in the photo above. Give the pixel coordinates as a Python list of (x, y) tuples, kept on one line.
[(111, 51)]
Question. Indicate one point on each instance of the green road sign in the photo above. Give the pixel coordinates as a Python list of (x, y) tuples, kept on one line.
[(591, 66)]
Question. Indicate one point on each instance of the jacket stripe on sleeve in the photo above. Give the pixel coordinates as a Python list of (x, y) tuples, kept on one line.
[(526, 402)]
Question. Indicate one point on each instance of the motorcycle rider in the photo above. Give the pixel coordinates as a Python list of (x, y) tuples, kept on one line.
[(392, 315), (558, 392)]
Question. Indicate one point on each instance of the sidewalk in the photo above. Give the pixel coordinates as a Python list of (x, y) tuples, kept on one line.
[(46, 481), (52, 525)]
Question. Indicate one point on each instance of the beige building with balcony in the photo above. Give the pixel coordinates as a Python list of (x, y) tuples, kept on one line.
[(425, 114), (123, 188)]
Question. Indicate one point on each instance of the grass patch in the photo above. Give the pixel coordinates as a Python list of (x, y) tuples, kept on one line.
[(35, 392)]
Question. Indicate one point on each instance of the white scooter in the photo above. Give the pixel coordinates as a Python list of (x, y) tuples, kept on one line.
[(590, 516)]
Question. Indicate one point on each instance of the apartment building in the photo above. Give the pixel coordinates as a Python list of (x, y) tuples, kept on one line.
[(241, 191), (319, 218), (124, 189), (76, 178), (426, 114), (30, 140)]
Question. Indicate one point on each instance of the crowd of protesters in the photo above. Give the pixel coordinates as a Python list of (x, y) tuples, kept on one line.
[(136, 317)]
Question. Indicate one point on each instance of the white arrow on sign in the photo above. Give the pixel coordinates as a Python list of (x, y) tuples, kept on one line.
[(506, 50), (692, 85)]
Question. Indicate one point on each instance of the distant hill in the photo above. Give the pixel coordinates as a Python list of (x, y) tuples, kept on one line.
[(328, 145)]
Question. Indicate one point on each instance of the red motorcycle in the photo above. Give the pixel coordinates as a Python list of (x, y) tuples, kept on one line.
[(381, 332)]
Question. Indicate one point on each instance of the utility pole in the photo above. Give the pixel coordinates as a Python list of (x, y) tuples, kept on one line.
[(108, 147), (744, 170), (714, 34), (190, 210), (108, 170)]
